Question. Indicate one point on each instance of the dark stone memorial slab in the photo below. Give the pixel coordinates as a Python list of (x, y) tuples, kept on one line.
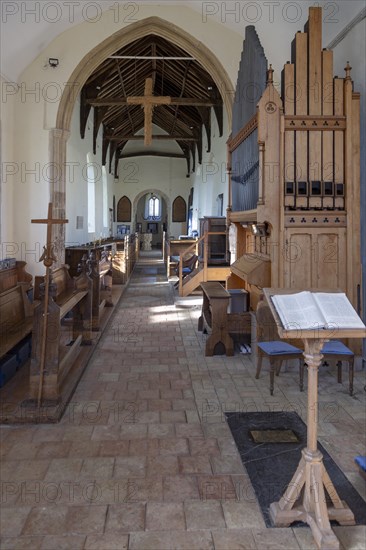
[(271, 463)]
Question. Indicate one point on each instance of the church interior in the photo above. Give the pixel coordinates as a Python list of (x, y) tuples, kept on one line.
[(183, 275)]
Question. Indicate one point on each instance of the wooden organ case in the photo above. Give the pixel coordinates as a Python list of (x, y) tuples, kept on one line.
[(301, 214)]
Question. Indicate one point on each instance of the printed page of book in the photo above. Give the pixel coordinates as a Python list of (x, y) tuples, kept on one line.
[(337, 310), (298, 311)]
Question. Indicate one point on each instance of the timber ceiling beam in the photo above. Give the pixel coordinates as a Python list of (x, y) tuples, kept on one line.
[(152, 154), (157, 137), (178, 101)]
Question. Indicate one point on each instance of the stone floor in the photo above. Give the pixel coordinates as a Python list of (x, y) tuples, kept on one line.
[(143, 458)]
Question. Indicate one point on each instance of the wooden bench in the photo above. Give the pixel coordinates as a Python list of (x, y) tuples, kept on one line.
[(16, 317), (14, 274), (16, 321), (217, 321), (66, 295)]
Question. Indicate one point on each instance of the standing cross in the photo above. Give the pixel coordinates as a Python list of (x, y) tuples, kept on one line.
[(47, 255), (48, 260), (148, 102)]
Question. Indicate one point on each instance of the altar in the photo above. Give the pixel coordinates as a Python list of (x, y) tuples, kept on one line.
[(146, 241)]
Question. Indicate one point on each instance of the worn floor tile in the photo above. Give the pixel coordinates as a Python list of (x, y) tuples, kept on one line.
[(126, 518), (173, 540), (275, 539), (12, 520), (106, 542), (130, 466), (165, 516), (204, 515), (238, 539), (21, 543)]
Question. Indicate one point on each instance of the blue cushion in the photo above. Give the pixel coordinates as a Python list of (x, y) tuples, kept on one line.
[(361, 462), (278, 348), (334, 346)]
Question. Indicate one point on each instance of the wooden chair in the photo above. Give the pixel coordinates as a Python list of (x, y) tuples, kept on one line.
[(334, 350), (270, 346), (278, 351)]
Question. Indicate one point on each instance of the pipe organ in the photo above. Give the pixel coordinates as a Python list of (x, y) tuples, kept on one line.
[(294, 165)]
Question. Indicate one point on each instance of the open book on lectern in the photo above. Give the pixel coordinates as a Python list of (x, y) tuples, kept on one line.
[(308, 310)]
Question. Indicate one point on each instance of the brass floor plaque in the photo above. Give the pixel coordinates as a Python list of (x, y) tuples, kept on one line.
[(274, 436)]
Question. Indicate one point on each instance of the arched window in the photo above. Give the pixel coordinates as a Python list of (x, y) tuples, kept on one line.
[(124, 210), (105, 198), (91, 193), (179, 210), (152, 207)]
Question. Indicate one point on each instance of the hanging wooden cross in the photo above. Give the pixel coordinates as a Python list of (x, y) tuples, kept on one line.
[(48, 259), (148, 102), (47, 256)]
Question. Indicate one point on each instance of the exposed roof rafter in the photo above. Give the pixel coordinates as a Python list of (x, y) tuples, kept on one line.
[(174, 73)]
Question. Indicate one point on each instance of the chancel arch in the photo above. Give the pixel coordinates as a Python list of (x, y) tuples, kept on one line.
[(60, 135)]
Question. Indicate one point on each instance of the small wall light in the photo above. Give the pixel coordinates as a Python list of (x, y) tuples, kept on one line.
[(53, 62)]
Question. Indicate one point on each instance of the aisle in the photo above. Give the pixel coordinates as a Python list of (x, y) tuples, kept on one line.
[(142, 458)]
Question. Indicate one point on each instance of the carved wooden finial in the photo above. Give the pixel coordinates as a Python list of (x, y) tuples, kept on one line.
[(348, 70), (270, 75), (48, 256)]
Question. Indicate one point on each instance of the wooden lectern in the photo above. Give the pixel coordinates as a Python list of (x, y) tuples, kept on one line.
[(305, 497)]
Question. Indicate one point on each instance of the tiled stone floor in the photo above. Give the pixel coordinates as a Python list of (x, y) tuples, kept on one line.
[(143, 459)]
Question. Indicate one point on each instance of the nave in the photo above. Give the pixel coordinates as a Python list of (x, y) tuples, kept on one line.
[(143, 459)]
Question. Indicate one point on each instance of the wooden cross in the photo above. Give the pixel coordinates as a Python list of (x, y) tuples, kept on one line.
[(48, 260), (47, 256), (148, 102)]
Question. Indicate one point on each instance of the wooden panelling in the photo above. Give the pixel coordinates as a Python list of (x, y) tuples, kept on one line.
[(316, 259), (298, 252)]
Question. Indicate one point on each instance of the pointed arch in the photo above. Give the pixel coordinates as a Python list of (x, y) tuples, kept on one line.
[(179, 210), (60, 134), (123, 37), (124, 209)]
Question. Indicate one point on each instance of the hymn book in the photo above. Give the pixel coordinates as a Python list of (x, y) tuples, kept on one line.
[(308, 310)]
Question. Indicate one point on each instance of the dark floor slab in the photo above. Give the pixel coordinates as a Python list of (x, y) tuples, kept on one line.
[(271, 466)]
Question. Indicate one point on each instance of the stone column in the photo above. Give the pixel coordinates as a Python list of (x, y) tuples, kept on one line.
[(57, 153)]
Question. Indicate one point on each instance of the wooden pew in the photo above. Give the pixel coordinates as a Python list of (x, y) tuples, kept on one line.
[(16, 319), (217, 321), (66, 296), (100, 272), (13, 274)]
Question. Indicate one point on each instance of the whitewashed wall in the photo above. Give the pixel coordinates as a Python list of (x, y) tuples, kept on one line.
[(77, 185), (8, 168), (210, 178)]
